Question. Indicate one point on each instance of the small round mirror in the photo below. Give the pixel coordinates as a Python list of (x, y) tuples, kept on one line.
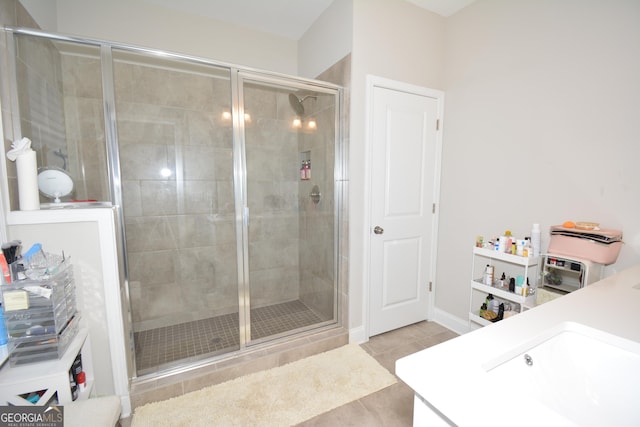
[(54, 183)]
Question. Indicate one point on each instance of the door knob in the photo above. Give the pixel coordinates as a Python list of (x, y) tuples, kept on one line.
[(378, 230)]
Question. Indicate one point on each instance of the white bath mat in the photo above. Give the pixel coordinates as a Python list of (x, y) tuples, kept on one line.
[(282, 396)]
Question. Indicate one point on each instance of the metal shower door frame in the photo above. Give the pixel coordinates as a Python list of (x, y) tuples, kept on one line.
[(238, 79)]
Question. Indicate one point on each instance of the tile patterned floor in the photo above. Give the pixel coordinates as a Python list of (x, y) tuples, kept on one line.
[(162, 347), (392, 406), (278, 318)]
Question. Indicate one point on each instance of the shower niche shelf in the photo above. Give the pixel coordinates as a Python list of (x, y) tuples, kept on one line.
[(305, 165)]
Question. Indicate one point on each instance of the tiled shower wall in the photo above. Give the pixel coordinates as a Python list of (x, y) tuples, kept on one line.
[(83, 106), (180, 237), (317, 221), (180, 229), (272, 195), (181, 232)]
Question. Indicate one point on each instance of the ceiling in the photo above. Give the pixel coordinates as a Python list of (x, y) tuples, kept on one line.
[(287, 18)]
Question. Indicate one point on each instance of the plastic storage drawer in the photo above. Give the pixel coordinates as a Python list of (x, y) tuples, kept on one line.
[(39, 307), (43, 347)]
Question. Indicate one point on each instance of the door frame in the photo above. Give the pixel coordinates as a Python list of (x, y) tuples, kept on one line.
[(373, 82)]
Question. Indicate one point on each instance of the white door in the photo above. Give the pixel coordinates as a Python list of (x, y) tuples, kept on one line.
[(404, 183)]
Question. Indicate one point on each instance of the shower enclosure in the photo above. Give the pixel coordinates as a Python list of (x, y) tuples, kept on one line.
[(224, 177)]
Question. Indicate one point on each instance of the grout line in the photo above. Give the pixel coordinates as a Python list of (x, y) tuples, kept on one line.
[(172, 343)]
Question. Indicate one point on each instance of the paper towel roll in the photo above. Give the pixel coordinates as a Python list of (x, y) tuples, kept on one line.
[(27, 169)]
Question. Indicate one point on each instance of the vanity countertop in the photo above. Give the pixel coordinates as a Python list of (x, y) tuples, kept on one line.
[(451, 378)]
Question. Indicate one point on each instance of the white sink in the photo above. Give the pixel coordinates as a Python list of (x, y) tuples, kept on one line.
[(575, 374)]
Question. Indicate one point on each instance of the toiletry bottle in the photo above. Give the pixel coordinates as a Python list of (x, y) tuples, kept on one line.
[(6, 275), (502, 244), (82, 381), (535, 239), (74, 389), (519, 284), (3, 328), (488, 275), (489, 302), (307, 170), (493, 304)]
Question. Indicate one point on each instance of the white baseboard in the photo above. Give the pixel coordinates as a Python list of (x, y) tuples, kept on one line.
[(449, 321), (357, 335)]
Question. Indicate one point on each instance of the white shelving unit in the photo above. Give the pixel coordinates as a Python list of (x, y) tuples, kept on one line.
[(51, 376), (514, 265)]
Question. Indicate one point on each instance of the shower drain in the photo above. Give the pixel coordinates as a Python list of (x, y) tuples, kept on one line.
[(216, 340)]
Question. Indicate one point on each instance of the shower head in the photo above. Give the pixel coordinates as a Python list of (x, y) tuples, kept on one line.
[(296, 103)]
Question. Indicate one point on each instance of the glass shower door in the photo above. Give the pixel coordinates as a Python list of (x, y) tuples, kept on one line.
[(223, 181), (176, 161), (289, 146)]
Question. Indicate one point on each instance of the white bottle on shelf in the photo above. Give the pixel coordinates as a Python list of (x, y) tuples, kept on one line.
[(488, 275), (535, 239)]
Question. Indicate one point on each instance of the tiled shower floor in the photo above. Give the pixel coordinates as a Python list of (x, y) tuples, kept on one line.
[(160, 348)]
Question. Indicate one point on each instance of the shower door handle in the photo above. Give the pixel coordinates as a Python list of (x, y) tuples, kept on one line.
[(378, 230), (246, 216)]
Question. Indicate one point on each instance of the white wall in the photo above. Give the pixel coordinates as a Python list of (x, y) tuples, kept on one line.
[(541, 125), (140, 23), (327, 41), (398, 41), (43, 12)]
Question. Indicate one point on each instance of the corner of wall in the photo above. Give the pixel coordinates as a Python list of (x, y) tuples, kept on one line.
[(450, 321)]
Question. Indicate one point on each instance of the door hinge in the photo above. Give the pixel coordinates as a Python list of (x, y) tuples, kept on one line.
[(433, 208), (438, 124), (430, 286)]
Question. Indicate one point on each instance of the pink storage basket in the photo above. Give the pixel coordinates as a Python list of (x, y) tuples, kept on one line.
[(601, 246)]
